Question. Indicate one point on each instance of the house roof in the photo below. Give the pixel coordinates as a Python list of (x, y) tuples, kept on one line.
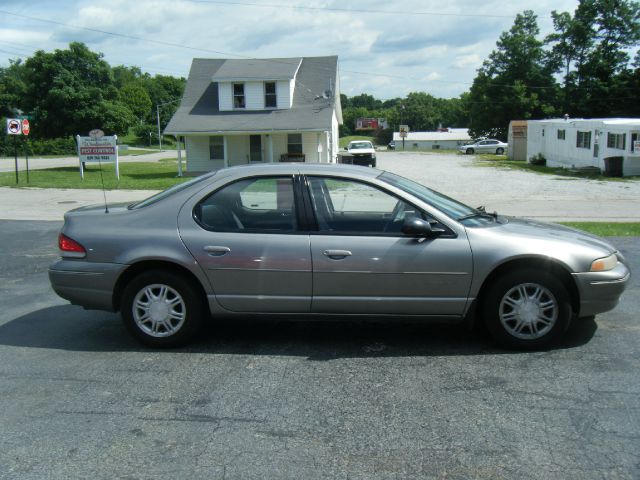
[(580, 121), (257, 69), (199, 109), (454, 134)]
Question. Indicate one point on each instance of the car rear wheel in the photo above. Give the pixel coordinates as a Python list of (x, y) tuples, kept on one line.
[(161, 309), (526, 309), (499, 151), (470, 151)]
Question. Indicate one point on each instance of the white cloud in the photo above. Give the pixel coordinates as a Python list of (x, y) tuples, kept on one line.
[(400, 52)]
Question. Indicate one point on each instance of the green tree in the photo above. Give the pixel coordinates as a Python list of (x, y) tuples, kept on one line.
[(515, 82), (69, 92), (591, 48), (12, 88), (136, 98)]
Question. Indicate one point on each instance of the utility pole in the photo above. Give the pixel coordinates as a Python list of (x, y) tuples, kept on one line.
[(159, 136)]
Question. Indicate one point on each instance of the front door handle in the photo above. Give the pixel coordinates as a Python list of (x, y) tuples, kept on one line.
[(216, 251), (337, 254)]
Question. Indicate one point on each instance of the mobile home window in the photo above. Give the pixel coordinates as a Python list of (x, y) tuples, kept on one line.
[(238, 95), (216, 148), (270, 98), (294, 144), (561, 134), (617, 140), (583, 140)]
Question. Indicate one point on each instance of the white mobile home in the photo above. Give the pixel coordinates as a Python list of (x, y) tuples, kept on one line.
[(579, 143), (450, 138)]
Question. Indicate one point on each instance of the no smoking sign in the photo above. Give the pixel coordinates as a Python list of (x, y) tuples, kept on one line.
[(14, 126)]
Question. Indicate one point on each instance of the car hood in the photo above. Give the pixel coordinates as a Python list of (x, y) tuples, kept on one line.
[(527, 228)]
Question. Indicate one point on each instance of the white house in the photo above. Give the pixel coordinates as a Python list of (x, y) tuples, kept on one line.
[(578, 143), (259, 110), (450, 138)]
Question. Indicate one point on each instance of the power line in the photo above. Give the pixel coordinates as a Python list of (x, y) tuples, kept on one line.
[(353, 10)]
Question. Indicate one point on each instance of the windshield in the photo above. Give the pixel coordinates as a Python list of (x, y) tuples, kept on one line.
[(446, 205), (178, 187), (360, 145)]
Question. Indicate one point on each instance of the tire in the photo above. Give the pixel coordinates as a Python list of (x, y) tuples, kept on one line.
[(499, 151), (469, 151), (175, 313), (526, 309)]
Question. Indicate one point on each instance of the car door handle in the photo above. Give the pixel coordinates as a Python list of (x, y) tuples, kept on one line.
[(337, 254), (215, 251)]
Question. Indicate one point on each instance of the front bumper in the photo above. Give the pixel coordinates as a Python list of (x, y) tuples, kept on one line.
[(87, 284), (601, 291)]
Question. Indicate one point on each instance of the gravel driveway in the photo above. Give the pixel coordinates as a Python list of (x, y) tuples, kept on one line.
[(517, 192)]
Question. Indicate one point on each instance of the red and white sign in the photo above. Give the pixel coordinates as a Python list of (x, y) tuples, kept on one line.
[(92, 149), (26, 128), (13, 126)]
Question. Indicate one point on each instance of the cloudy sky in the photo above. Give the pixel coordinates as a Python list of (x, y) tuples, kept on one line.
[(385, 48)]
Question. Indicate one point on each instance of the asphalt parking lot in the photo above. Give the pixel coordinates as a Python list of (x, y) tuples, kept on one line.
[(349, 400), (288, 400)]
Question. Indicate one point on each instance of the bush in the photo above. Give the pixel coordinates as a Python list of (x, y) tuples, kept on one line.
[(538, 159), (36, 147)]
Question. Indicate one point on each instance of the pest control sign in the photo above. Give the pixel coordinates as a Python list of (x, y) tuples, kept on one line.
[(14, 127), (93, 149), (97, 149)]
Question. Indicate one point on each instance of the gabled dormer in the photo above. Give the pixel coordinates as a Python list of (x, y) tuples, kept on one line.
[(250, 85)]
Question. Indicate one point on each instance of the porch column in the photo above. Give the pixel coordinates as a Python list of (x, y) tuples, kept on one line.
[(179, 148), (330, 152)]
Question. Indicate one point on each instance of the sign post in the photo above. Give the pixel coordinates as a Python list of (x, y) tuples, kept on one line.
[(404, 131), (26, 128), (14, 127)]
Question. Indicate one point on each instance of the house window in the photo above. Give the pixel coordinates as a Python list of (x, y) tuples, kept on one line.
[(294, 144), (583, 140), (616, 140), (634, 139), (216, 148), (238, 95), (561, 134), (270, 99)]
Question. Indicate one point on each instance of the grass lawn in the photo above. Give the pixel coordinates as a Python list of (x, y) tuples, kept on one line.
[(603, 229), (488, 160), (344, 141), (133, 176)]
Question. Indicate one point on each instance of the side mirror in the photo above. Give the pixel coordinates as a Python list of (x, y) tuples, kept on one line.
[(418, 227)]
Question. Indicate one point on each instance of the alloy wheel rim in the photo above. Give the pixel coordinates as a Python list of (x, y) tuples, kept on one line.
[(528, 311), (159, 310)]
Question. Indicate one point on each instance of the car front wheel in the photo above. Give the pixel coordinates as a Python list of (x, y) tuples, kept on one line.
[(161, 309), (470, 151), (499, 151), (526, 309)]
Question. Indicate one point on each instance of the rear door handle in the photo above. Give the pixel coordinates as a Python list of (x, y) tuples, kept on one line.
[(215, 251), (337, 254)]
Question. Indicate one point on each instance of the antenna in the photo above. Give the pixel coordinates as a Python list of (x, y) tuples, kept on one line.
[(96, 134)]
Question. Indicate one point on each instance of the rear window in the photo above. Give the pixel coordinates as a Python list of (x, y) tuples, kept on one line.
[(170, 191), (360, 145)]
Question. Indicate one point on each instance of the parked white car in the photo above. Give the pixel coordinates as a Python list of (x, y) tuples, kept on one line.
[(485, 146), (362, 153)]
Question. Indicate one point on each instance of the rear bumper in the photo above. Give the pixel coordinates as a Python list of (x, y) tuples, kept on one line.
[(601, 291), (87, 284)]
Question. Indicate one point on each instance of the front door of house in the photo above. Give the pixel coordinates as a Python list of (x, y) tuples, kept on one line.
[(255, 148)]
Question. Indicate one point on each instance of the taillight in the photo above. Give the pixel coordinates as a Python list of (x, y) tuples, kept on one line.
[(70, 247)]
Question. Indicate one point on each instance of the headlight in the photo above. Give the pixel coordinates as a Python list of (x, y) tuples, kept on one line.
[(604, 264)]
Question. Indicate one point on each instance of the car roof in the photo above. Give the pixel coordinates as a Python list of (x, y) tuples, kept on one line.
[(298, 167)]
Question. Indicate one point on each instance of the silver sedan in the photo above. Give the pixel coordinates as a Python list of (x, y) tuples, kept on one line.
[(327, 240), (485, 146)]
